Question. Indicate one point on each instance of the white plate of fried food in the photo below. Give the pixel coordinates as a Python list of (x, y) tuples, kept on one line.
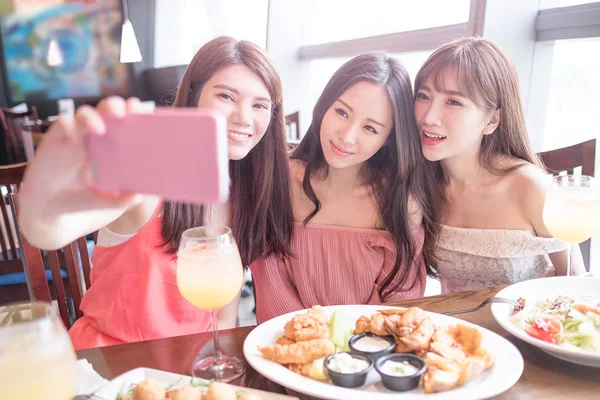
[(152, 384), (464, 361)]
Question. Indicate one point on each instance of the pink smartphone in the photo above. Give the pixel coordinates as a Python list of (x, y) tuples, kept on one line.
[(179, 154)]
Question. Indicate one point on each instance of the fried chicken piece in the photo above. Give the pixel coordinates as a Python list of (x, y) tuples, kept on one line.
[(362, 325), (149, 390), (298, 353), (375, 324), (394, 311), (248, 396), (401, 347), (413, 327), (185, 393), (455, 357), (308, 326), (221, 391), (421, 353), (418, 338), (459, 341), (317, 312), (302, 369), (441, 375), (316, 331), (284, 340)]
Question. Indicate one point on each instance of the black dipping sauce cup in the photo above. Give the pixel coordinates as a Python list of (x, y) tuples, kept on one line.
[(372, 355), (401, 383), (351, 380)]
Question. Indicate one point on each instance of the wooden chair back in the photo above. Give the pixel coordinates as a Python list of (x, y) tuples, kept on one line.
[(10, 181), (69, 257), (568, 158)]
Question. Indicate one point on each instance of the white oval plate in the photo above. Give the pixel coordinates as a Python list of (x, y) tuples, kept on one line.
[(167, 379), (504, 373), (547, 287)]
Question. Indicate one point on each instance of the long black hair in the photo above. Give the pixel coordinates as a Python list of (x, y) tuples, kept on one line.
[(260, 203), (395, 172)]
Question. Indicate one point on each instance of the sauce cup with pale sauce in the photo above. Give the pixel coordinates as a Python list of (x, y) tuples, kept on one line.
[(400, 372), (371, 345), (348, 369)]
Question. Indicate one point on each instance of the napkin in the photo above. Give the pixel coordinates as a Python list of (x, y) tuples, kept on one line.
[(88, 380)]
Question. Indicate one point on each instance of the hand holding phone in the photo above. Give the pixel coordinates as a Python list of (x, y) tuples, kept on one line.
[(179, 154)]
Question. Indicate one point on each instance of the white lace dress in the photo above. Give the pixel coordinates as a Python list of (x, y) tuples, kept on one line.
[(469, 259)]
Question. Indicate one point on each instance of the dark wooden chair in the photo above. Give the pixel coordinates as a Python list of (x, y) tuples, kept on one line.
[(567, 160), (14, 125), (13, 279), (12, 285), (292, 123), (71, 257)]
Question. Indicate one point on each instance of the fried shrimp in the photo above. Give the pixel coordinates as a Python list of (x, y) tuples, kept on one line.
[(298, 353), (302, 369), (413, 328), (283, 340), (375, 324)]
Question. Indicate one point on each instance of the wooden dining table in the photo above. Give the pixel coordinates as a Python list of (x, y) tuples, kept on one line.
[(544, 377)]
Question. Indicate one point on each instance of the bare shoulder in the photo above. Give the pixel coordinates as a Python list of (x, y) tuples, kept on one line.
[(297, 169), (301, 204), (529, 181), (529, 185)]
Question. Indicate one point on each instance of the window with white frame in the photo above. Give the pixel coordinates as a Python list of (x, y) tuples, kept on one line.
[(326, 34), (566, 65), (545, 4), (183, 26), (338, 20), (573, 98), (322, 69), (567, 53)]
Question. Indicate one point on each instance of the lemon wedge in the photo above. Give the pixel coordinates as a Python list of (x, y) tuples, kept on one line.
[(317, 370)]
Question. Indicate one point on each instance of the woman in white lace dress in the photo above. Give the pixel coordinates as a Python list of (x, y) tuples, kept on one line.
[(492, 185)]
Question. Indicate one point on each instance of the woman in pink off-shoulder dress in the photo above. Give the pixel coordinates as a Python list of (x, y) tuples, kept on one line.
[(359, 194)]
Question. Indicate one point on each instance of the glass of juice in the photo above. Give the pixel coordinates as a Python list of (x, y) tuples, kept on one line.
[(210, 276), (572, 210), (37, 360)]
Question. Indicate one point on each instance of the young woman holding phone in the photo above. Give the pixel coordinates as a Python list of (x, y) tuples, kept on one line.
[(134, 294)]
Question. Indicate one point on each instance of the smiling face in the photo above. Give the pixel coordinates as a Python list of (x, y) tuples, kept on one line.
[(450, 123), (242, 96), (356, 125)]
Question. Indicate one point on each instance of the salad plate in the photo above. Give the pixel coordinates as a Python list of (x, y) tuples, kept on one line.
[(560, 316)]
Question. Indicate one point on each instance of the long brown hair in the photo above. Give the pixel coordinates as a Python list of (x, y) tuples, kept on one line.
[(395, 171), (260, 204), (486, 76)]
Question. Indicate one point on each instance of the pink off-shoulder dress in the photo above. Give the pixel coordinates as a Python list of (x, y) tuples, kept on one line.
[(333, 265)]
